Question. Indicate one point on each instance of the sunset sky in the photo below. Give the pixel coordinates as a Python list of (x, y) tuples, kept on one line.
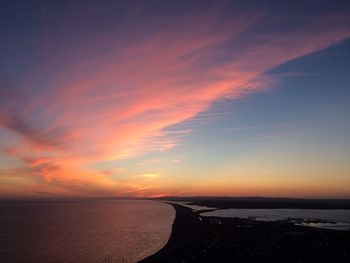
[(152, 98)]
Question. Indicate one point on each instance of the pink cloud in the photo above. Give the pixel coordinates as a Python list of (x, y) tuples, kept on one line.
[(114, 104)]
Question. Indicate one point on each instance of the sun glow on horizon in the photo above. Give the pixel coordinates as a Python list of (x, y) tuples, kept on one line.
[(127, 105)]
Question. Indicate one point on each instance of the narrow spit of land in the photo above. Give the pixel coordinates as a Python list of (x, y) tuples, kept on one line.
[(214, 239), (186, 230)]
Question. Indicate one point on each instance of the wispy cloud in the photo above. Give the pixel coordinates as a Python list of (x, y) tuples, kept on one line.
[(117, 94)]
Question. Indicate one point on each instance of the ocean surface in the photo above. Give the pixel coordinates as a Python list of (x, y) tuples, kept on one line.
[(83, 231)]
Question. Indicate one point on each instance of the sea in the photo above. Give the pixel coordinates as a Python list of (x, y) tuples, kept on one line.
[(83, 230)]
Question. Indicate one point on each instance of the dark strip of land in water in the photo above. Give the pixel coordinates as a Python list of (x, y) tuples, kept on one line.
[(214, 239), (263, 202), (186, 229)]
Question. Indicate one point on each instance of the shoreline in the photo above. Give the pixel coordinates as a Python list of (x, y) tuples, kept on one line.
[(186, 229), (216, 239)]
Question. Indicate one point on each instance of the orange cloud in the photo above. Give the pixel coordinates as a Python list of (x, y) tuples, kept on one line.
[(115, 103)]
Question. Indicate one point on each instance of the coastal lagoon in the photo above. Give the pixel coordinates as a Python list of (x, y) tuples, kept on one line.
[(83, 231), (331, 219)]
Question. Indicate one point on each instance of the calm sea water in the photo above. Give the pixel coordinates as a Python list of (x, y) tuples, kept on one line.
[(84, 231)]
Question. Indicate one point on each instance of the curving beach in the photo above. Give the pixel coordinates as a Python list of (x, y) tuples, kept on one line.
[(186, 229), (218, 239)]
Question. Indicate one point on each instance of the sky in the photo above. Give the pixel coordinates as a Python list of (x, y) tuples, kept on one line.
[(185, 98)]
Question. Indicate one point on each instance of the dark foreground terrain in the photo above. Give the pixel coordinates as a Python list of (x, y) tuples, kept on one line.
[(196, 239)]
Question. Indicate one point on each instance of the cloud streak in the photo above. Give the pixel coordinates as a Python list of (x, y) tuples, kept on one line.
[(119, 89)]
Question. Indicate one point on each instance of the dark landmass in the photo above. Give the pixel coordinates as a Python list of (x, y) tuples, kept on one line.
[(186, 230), (263, 202), (214, 239)]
